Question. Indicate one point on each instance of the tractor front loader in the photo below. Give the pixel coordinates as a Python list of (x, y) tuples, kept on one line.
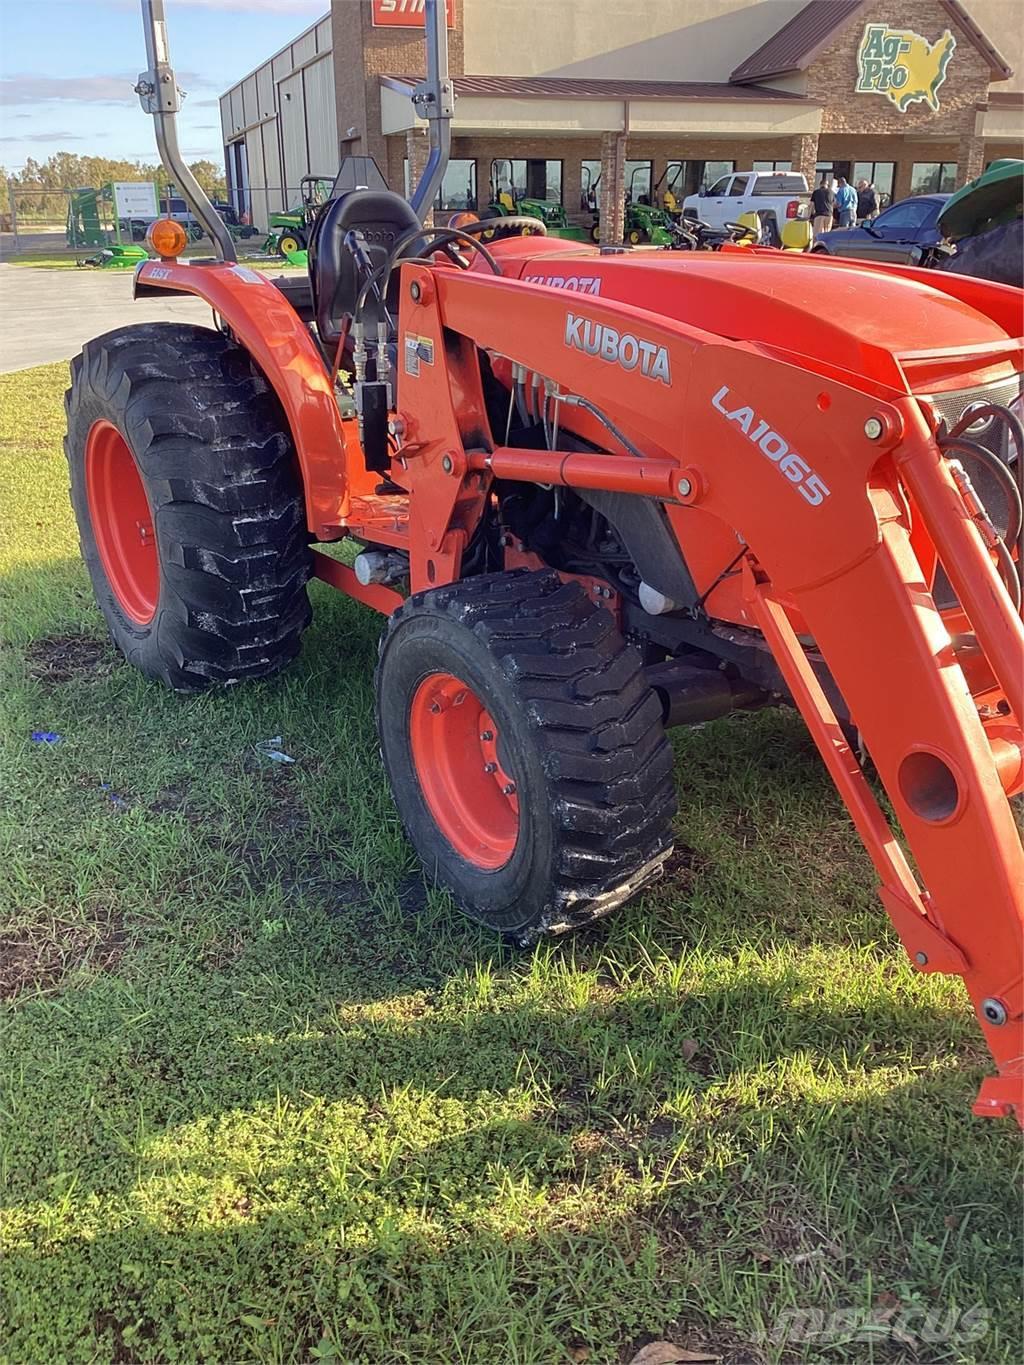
[(595, 495)]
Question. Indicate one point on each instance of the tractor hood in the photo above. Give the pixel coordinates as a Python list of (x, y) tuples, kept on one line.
[(839, 312)]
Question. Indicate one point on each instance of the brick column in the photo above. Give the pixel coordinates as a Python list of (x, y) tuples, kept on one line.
[(571, 177), (970, 159), (803, 153), (417, 149), (660, 160), (613, 188)]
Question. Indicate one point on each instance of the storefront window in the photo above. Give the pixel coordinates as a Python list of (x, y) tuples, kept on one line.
[(458, 188), (714, 169), (881, 174), (638, 183), (674, 177), (550, 178), (590, 189), (772, 166), (933, 177), (532, 178)]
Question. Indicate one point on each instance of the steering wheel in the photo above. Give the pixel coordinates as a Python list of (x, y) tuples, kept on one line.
[(740, 229)]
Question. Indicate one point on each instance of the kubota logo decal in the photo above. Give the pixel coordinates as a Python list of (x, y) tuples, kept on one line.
[(775, 447), (618, 348), (580, 284)]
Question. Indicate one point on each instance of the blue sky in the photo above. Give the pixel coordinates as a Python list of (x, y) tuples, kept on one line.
[(67, 68)]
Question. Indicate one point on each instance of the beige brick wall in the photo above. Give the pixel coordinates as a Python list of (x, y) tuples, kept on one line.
[(855, 127), (833, 77), (869, 127), (362, 54)]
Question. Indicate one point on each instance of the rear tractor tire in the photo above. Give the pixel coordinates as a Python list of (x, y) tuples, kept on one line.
[(189, 505), (525, 751)]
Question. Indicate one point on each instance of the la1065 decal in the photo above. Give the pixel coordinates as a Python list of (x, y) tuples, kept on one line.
[(777, 449)]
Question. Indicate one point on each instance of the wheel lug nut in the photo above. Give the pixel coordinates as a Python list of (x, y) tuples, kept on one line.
[(509, 789), (487, 736), (490, 767)]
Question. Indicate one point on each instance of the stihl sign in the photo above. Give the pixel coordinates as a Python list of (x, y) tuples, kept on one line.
[(405, 13)]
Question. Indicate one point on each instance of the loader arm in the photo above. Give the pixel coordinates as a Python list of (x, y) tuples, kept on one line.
[(823, 483)]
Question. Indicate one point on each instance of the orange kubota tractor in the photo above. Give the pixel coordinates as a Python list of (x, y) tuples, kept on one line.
[(595, 494)]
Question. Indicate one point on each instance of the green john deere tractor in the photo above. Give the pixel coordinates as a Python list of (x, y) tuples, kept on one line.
[(506, 201), (289, 230), (644, 221)]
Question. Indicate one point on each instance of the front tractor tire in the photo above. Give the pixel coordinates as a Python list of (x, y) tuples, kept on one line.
[(189, 505), (525, 751)]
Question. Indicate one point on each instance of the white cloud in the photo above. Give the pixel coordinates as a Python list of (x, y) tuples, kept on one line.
[(45, 137), (244, 6), (118, 89), (248, 6), (87, 89)]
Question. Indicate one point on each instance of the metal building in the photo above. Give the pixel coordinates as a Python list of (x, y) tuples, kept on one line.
[(280, 124)]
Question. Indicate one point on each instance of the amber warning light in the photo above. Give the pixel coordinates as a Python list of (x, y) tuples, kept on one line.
[(167, 238)]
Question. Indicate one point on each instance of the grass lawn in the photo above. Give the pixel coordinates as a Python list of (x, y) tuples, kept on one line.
[(264, 1097), (68, 259)]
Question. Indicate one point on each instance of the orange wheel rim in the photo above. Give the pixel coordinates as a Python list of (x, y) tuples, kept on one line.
[(468, 790), (122, 522)]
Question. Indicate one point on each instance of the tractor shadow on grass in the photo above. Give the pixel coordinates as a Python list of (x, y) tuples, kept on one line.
[(686, 1064), (516, 1235)]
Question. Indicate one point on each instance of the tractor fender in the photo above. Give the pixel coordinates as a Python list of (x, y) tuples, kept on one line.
[(262, 321)]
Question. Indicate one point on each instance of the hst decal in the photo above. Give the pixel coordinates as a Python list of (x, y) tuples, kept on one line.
[(580, 284), (793, 466), (618, 348)]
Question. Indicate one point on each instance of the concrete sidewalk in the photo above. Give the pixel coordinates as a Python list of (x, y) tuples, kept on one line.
[(46, 315)]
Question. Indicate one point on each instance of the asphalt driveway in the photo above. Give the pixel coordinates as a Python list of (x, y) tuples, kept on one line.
[(46, 315)]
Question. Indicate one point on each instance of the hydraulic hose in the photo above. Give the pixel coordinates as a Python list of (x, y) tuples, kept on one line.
[(1012, 484), (1015, 431), (431, 243), (1002, 474)]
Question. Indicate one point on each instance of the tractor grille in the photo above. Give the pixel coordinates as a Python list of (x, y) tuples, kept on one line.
[(950, 406)]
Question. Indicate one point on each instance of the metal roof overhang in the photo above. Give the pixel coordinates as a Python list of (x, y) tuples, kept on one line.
[(662, 115)]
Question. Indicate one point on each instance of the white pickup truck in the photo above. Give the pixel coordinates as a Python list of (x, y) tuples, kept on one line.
[(775, 196)]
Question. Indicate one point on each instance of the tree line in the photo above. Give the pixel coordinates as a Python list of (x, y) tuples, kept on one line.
[(67, 171)]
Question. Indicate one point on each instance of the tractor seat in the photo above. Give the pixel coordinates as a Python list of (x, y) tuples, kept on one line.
[(382, 217)]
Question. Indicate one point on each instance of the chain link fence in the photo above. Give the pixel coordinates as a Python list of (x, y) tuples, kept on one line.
[(79, 222)]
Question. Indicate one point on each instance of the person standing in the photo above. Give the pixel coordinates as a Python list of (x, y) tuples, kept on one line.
[(846, 203), (823, 202), (867, 202)]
